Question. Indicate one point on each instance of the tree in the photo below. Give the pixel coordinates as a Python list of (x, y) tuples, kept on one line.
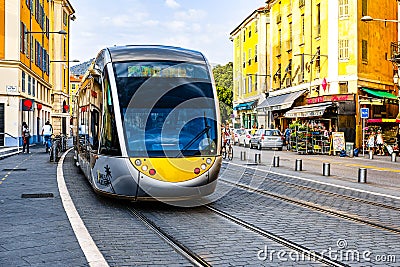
[(223, 76)]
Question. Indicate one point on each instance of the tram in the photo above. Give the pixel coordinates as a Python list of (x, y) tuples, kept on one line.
[(146, 124)]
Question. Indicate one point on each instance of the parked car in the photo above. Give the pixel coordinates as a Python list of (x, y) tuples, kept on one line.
[(267, 138), (236, 134), (244, 138)]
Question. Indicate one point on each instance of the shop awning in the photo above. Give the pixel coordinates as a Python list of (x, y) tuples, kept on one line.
[(383, 120), (314, 110), (246, 106), (379, 93), (280, 102)]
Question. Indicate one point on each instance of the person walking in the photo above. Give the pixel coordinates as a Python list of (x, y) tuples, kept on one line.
[(379, 143), (26, 136), (371, 142)]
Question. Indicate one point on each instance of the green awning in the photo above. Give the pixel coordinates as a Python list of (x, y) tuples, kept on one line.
[(379, 93)]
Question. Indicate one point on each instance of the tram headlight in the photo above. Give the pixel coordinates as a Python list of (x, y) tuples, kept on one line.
[(203, 166), (145, 168), (138, 162), (208, 161)]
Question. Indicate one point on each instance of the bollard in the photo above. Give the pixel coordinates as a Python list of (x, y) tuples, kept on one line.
[(243, 155), (362, 175), (326, 169), (257, 158), (371, 154), (299, 165), (393, 157), (276, 161)]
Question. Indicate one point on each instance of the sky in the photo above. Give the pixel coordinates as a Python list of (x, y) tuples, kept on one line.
[(202, 25)]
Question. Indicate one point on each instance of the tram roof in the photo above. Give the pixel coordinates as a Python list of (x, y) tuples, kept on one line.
[(154, 52)]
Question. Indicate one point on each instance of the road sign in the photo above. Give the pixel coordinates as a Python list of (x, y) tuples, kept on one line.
[(364, 113)]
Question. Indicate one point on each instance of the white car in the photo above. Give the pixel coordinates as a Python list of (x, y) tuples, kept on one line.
[(236, 134), (244, 138)]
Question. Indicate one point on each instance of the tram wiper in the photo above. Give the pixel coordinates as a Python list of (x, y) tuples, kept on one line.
[(185, 148)]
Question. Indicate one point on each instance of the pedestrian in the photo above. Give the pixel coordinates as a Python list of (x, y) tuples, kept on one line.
[(379, 143), (47, 131), (371, 142), (254, 129), (26, 136), (287, 135)]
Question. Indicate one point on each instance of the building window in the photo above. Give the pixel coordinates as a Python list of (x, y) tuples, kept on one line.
[(249, 57), (23, 81), (244, 59), (250, 32), (33, 87), (250, 85), (318, 26), (256, 26), (364, 50), (302, 36), (364, 7), (244, 35), (255, 53), (343, 88), (29, 84), (343, 8), (244, 86), (343, 49)]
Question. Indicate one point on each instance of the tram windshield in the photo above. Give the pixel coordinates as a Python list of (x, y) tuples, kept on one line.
[(168, 109)]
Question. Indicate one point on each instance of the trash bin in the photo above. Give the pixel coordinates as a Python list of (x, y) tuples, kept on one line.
[(350, 149)]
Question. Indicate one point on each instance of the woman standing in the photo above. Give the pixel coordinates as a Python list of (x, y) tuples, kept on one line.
[(26, 135)]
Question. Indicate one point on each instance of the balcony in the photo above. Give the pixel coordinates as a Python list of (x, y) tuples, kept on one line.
[(395, 52), (317, 30)]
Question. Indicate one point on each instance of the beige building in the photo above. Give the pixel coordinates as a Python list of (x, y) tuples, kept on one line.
[(32, 34)]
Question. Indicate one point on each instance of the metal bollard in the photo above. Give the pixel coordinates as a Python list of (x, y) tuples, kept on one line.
[(299, 165), (362, 175), (393, 157), (276, 161), (371, 154), (243, 155), (326, 169), (257, 158)]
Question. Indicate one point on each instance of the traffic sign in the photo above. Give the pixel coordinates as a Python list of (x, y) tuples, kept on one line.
[(364, 113)]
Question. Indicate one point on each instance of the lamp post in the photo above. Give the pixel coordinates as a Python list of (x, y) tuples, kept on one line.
[(369, 18)]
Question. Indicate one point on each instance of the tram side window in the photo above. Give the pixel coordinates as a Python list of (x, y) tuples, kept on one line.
[(109, 139), (94, 129)]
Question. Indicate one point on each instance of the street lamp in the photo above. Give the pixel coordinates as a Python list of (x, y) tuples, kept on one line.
[(369, 18), (59, 32), (74, 60)]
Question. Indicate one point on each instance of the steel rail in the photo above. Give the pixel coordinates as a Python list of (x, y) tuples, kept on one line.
[(176, 245)]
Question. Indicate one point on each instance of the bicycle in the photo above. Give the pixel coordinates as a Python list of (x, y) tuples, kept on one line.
[(227, 150), (56, 148), (47, 142)]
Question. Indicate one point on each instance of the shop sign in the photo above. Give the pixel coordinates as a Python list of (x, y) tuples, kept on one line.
[(364, 113), (311, 113), (330, 98), (11, 89)]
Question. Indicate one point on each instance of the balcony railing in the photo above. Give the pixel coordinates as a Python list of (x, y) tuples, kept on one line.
[(395, 52)]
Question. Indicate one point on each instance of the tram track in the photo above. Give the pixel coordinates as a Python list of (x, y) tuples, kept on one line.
[(280, 240), (315, 207), (328, 193), (195, 259)]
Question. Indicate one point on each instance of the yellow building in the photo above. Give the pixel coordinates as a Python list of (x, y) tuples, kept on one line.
[(249, 67), (325, 62), (27, 48)]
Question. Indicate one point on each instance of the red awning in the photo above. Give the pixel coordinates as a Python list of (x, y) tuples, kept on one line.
[(382, 120)]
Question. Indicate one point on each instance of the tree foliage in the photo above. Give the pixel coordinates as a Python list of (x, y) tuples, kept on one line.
[(223, 76)]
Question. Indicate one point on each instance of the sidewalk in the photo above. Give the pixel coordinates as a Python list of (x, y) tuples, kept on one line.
[(35, 230)]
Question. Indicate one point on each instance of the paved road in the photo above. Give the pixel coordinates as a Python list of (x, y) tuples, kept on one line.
[(36, 231)]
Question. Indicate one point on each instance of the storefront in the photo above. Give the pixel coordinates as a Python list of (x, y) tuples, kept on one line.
[(383, 109), (245, 114), (274, 108)]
